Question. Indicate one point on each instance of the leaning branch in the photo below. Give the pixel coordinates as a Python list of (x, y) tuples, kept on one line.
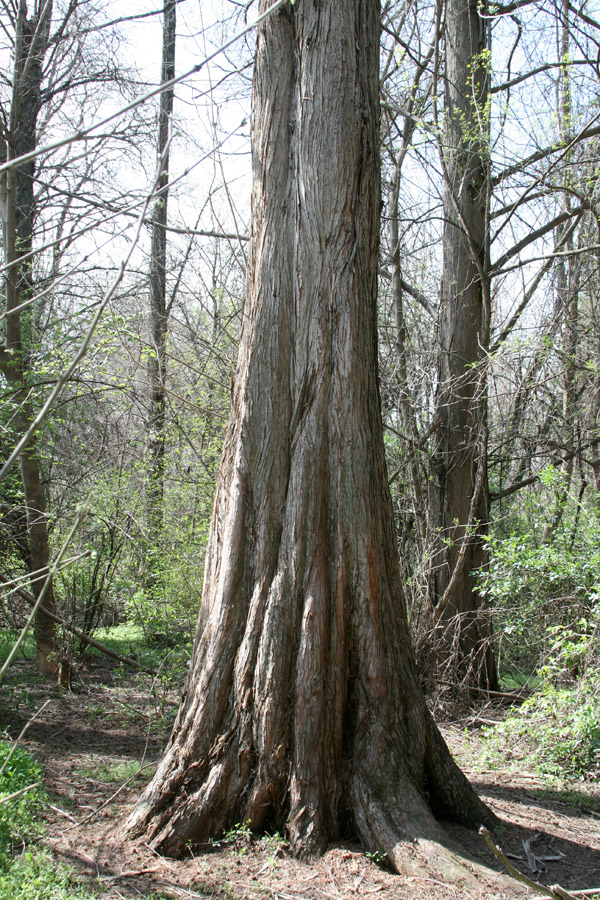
[(538, 155), (16, 794), (127, 660), (535, 235)]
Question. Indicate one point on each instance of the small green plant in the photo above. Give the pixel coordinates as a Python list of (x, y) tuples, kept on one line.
[(275, 843), (238, 834), (379, 857)]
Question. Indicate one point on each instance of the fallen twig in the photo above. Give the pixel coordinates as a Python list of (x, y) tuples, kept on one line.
[(61, 812), (556, 892), (129, 874)]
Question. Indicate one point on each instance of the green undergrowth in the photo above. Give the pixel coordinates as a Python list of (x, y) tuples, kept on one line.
[(27, 872), (155, 650), (35, 875), (18, 817), (556, 732)]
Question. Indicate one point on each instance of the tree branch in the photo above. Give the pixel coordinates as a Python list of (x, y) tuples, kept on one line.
[(534, 235)]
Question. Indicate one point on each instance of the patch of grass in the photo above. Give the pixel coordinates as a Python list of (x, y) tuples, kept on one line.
[(128, 640), (109, 773), (171, 661), (8, 637), (35, 875)]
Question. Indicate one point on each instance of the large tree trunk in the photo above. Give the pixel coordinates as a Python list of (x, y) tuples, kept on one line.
[(459, 492), (302, 711), (18, 216), (159, 312)]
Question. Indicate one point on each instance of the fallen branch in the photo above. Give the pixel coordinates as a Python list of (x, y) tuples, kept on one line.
[(585, 892), (127, 660), (129, 874), (516, 696), (556, 892)]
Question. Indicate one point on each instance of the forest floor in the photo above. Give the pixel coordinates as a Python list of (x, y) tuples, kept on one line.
[(92, 740)]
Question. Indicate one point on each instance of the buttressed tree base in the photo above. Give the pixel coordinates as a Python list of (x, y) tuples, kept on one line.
[(302, 711)]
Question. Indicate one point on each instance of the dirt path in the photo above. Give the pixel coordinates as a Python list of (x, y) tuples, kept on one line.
[(92, 741)]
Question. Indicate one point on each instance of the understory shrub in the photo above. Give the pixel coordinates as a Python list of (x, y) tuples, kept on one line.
[(557, 730), (539, 589)]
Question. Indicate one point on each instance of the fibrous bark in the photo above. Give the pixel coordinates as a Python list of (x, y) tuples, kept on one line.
[(302, 711)]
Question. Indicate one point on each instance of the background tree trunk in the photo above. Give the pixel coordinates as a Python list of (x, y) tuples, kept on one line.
[(159, 314), (567, 299), (459, 492), (302, 710), (18, 202)]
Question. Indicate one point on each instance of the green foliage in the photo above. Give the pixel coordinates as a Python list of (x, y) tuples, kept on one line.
[(539, 588), (26, 871), (238, 833), (17, 816), (8, 637), (557, 730)]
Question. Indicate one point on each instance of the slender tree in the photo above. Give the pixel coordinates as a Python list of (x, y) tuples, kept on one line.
[(302, 710), (459, 490), (159, 311), (19, 137)]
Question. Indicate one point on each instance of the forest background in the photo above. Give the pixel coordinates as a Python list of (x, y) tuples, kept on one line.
[(124, 257)]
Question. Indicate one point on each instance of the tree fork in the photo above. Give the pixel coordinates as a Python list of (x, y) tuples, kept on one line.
[(302, 711)]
